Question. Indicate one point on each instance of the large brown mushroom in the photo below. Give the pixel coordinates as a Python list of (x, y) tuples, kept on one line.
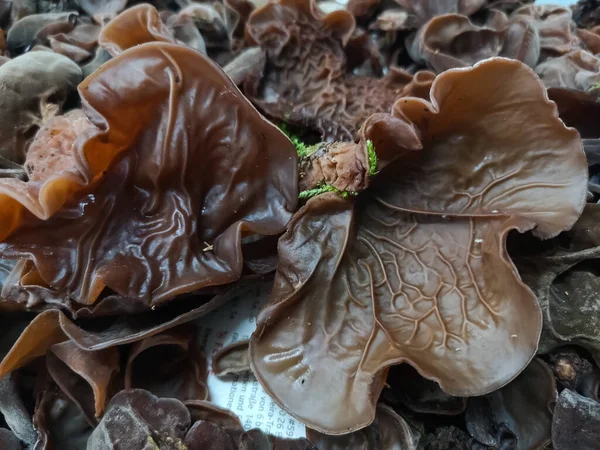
[(177, 170), (415, 269)]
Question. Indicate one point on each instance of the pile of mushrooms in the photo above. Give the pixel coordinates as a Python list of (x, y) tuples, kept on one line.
[(413, 186)]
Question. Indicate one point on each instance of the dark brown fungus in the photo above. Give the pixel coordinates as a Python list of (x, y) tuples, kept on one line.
[(257, 440), (35, 85), (52, 326), (306, 81), (23, 33), (232, 359), (389, 431), (576, 422), (184, 31), (507, 6), (208, 436), (78, 44), (554, 25), (217, 429), (136, 25), (575, 372), (395, 19), (522, 41), (519, 414), (565, 280), (60, 423), (589, 385), (169, 365), (216, 22), (590, 39), (138, 420), (578, 69), (207, 411), (23, 8), (578, 109), (246, 66), (421, 395), (14, 411), (143, 23), (362, 9), (424, 10), (8, 441), (84, 376), (446, 438), (41, 333), (453, 40), (586, 14), (100, 56), (135, 197), (343, 308)]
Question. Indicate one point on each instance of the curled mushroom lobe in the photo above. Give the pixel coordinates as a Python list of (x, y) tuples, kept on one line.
[(415, 268), (176, 170), (137, 25), (452, 40)]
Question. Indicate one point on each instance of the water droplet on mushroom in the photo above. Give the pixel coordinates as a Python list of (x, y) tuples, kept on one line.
[(457, 349), (478, 241), (494, 211), (445, 217), (514, 336)]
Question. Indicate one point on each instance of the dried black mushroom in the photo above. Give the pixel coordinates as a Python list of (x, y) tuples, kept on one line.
[(576, 422)]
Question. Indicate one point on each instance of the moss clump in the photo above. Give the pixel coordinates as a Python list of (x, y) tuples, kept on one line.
[(372, 158), (305, 195), (302, 149)]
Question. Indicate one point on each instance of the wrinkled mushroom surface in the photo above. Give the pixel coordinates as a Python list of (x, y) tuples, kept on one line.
[(136, 419), (305, 80), (138, 201), (344, 308)]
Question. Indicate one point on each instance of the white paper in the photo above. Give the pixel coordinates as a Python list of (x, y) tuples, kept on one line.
[(235, 321)]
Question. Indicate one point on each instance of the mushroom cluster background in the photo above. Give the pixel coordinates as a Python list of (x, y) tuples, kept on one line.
[(413, 184)]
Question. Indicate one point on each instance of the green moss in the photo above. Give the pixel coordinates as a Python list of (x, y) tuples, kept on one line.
[(302, 149), (310, 193), (595, 86), (372, 158)]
